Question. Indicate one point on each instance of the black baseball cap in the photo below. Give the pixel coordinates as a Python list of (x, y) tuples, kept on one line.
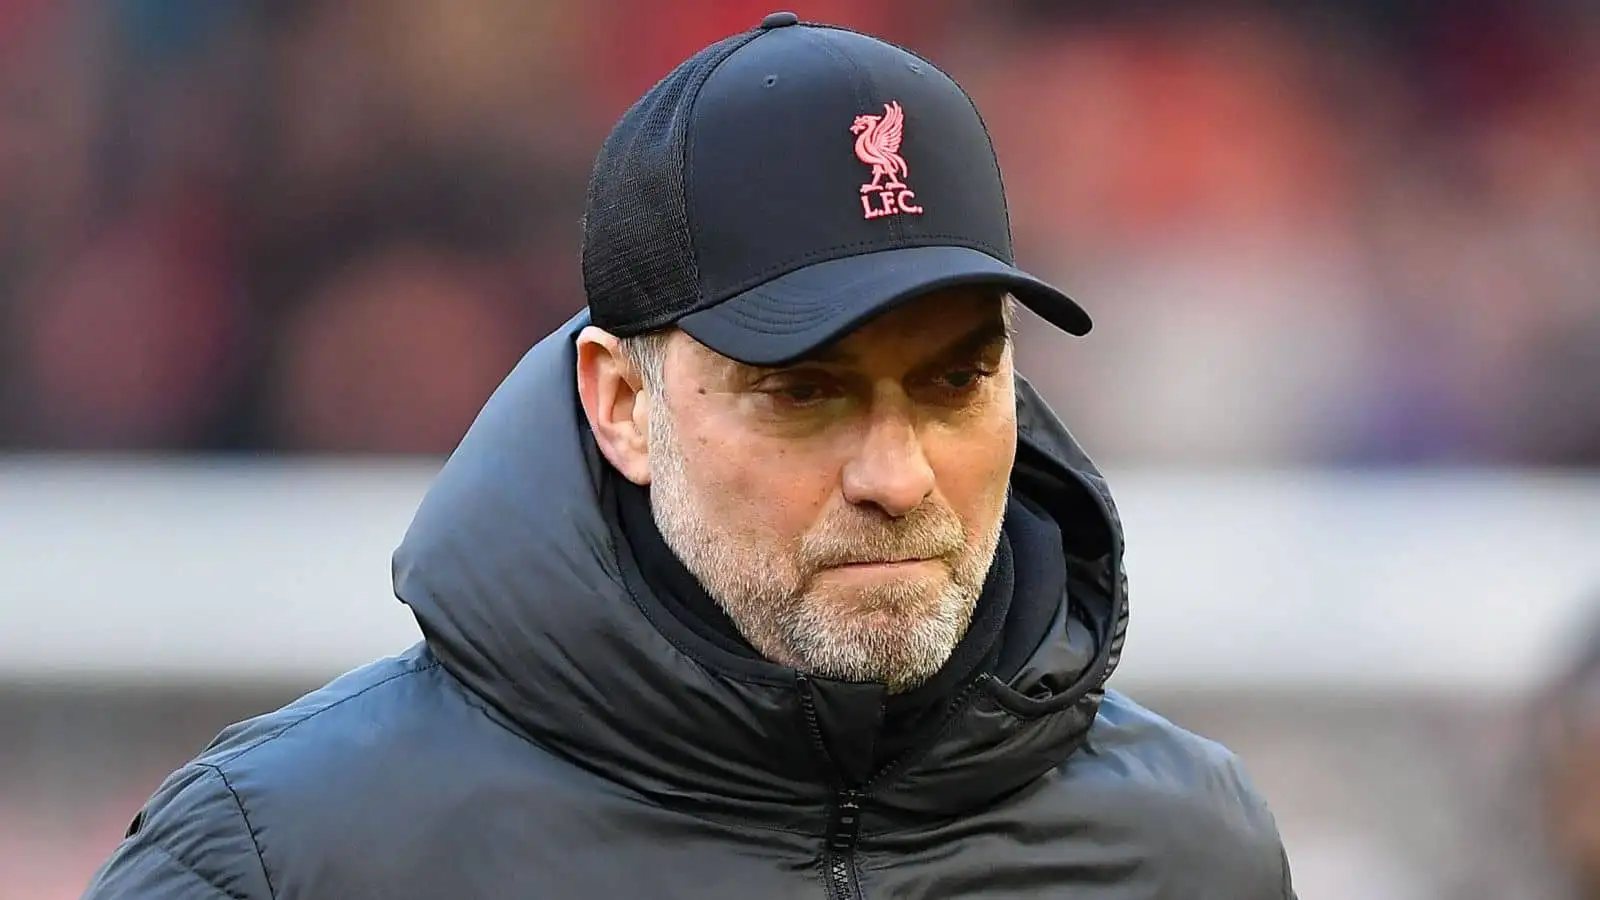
[(785, 185)]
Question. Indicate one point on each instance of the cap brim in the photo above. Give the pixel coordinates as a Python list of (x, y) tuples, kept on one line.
[(794, 314)]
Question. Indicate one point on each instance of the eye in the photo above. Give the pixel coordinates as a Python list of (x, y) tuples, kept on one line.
[(800, 389), (801, 393), (961, 379)]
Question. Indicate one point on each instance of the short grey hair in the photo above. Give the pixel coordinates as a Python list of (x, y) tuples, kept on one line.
[(647, 352)]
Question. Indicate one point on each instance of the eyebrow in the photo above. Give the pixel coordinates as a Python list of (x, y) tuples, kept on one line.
[(991, 332)]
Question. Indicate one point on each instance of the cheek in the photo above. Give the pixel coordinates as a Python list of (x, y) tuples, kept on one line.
[(763, 488), (973, 464)]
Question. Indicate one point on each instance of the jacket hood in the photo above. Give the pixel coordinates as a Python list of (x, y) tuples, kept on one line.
[(513, 571)]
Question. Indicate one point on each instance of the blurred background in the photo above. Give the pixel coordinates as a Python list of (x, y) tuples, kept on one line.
[(261, 262)]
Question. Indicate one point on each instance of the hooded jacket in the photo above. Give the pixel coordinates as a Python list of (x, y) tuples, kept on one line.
[(559, 733)]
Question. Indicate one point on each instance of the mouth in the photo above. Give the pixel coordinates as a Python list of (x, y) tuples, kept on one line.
[(885, 565)]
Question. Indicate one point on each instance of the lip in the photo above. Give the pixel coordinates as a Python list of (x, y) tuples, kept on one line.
[(888, 565)]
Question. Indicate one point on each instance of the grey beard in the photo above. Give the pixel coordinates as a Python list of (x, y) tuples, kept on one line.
[(907, 630)]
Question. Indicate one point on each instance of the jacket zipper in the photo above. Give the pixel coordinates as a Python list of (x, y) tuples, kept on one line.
[(844, 821), (844, 827)]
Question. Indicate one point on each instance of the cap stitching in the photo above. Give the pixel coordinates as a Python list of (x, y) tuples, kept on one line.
[(687, 187), (994, 160), (866, 89)]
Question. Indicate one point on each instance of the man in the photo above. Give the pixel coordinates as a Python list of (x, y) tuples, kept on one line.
[(764, 577)]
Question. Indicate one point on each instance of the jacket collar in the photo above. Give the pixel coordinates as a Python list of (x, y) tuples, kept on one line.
[(512, 570)]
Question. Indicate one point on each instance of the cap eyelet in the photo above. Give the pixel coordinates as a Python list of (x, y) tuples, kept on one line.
[(770, 80)]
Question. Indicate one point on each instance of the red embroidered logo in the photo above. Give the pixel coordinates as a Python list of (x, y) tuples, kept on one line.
[(878, 145)]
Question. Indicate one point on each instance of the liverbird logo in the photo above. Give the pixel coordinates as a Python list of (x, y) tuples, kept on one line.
[(878, 145)]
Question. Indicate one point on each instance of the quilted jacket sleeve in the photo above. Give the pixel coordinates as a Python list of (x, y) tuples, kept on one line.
[(190, 842)]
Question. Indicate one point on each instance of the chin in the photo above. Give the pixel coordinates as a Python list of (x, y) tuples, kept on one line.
[(890, 601), (928, 615)]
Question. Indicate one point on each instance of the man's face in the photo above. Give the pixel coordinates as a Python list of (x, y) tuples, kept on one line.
[(844, 510)]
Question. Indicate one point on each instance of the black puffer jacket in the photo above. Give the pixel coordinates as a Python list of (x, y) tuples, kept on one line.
[(559, 734)]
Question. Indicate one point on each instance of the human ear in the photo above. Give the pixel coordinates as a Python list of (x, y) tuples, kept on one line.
[(615, 403)]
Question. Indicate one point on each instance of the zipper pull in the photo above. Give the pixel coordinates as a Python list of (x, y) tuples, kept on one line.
[(845, 826)]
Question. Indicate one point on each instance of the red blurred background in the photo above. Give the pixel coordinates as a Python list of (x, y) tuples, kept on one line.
[(1336, 234), (331, 226)]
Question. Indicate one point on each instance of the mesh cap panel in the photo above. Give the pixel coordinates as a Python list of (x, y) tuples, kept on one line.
[(639, 267)]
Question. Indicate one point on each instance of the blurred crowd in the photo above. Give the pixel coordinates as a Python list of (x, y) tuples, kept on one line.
[(1339, 233)]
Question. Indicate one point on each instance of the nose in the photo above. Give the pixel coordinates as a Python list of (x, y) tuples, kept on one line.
[(889, 469)]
